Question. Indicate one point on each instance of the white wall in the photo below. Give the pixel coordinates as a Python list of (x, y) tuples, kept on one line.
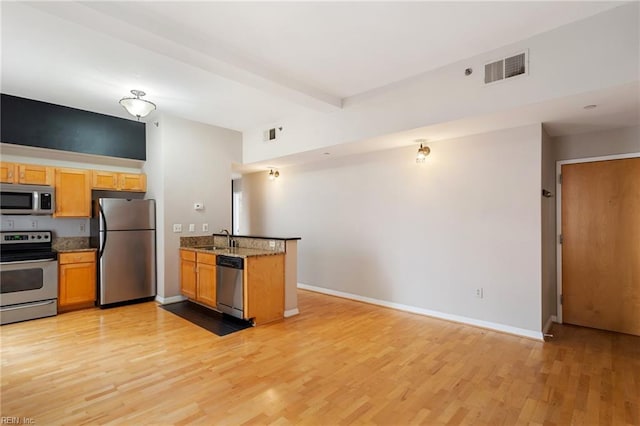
[(573, 59), (548, 236), (624, 140), (379, 225), (188, 162)]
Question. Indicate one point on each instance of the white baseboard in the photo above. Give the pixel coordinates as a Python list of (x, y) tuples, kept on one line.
[(429, 313), (173, 299), (291, 312)]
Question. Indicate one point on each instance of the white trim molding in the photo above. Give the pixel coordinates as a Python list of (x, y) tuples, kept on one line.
[(167, 300), (291, 312), (559, 165), (537, 335)]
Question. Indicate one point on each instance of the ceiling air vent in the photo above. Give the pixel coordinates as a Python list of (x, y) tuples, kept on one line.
[(506, 68), (270, 135)]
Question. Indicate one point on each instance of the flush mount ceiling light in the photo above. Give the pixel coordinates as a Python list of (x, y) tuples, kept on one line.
[(273, 174), (136, 106), (423, 151)]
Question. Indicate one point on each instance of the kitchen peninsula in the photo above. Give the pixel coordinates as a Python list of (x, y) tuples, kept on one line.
[(270, 272)]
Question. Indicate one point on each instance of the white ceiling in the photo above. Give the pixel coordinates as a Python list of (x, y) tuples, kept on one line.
[(241, 65)]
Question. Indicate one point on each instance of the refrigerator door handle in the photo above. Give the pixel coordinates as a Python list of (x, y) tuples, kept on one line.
[(104, 234)]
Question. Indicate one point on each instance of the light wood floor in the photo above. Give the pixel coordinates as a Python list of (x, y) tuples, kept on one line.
[(338, 362)]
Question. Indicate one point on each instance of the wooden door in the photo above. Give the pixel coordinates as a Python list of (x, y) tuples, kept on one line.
[(601, 245), (207, 284), (133, 182), (35, 175), (8, 172), (77, 284), (188, 273), (73, 193), (104, 180)]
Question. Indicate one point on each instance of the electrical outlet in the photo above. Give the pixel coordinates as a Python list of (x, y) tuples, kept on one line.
[(177, 227), (205, 227), (82, 227), (192, 227), (479, 292), (34, 224), (272, 244)]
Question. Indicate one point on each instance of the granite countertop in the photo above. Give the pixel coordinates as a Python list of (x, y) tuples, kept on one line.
[(74, 250), (234, 252), (260, 237)]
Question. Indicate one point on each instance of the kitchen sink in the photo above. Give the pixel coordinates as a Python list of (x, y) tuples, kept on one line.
[(209, 248)]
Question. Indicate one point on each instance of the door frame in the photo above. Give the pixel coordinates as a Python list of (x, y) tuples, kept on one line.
[(559, 165)]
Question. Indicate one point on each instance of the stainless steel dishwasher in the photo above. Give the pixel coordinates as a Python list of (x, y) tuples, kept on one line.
[(229, 285)]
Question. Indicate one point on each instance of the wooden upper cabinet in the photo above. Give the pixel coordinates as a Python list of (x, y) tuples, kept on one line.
[(133, 182), (119, 181), (8, 172), (73, 193), (35, 175), (104, 180), (29, 174)]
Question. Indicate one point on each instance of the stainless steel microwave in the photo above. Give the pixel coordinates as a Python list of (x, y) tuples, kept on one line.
[(26, 199)]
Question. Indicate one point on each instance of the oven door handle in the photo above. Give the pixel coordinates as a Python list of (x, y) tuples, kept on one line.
[(22, 262), (25, 305)]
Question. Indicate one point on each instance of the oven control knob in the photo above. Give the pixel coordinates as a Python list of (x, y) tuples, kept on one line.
[(39, 237), (32, 237), (46, 237)]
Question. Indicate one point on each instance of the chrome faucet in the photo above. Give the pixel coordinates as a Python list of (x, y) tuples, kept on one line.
[(228, 237)]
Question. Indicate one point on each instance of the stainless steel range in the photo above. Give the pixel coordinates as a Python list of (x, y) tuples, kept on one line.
[(28, 276)]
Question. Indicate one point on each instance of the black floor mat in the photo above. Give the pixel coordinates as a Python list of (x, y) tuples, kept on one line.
[(215, 322)]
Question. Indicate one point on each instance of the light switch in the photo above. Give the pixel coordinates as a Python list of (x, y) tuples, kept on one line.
[(205, 227), (192, 227), (177, 227)]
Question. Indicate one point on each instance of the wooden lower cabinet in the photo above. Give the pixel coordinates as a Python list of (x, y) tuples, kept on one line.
[(264, 288), (198, 277), (188, 273), (76, 280), (206, 288)]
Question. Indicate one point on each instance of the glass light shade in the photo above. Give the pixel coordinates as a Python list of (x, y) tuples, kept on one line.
[(423, 151), (136, 106)]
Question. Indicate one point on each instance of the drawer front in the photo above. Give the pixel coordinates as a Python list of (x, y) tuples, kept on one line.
[(77, 257), (188, 255), (209, 259)]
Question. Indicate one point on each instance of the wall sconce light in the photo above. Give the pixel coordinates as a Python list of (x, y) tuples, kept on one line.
[(137, 106), (423, 151), (273, 174)]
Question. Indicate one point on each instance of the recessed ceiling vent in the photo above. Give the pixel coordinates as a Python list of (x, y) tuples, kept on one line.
[(506, 68), (270, 135)]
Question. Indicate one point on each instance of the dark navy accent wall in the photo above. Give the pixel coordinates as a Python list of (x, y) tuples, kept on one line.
[(40, 124)]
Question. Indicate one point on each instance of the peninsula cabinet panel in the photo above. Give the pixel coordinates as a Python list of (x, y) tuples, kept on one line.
[(73, 193), (8, 172), (76, 280), (32, 174), (264, 288), (188, 274)]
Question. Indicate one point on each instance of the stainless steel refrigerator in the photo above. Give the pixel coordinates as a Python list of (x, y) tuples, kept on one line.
[(124, 232)]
